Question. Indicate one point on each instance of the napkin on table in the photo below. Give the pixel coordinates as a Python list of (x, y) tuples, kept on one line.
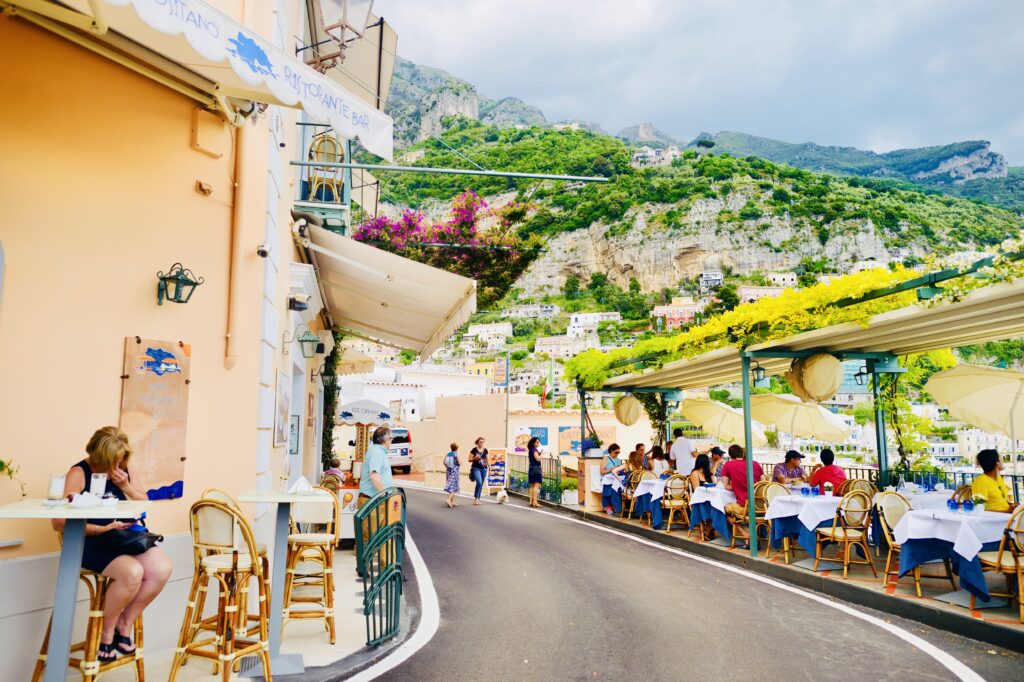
[(84, 500), (301, 486)]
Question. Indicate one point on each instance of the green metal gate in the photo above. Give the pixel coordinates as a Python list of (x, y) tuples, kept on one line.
[(380, 547)]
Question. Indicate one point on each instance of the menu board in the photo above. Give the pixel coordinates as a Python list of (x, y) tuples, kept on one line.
[(569, 438), (154, 413), (496, 471)]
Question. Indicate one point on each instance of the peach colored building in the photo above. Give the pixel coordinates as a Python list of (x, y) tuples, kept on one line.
[(126, 150)]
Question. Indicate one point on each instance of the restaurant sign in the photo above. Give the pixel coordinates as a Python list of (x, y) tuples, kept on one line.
[(154, 413)]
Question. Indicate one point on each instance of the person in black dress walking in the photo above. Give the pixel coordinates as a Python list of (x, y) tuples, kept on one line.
[(534, 474), (478, 470)]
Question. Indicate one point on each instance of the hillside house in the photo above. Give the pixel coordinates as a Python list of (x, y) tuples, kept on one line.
[(536, 311), (748, 293), (782, 279), (582, 324), (677, 314)]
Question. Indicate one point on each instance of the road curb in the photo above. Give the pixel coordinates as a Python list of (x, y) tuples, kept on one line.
[(964, 625)]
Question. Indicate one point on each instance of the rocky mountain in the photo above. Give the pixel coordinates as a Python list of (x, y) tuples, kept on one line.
[(958, 162), (510, 112), (422, 97), (645, 134)]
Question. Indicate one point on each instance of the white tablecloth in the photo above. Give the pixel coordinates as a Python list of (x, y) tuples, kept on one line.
[(923, 500), (810, 510), (654, 486), (718, 497), (614, 481), (967, 532)]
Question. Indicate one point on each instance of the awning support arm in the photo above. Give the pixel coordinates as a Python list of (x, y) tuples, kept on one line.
[(748, 445), (94, 24)]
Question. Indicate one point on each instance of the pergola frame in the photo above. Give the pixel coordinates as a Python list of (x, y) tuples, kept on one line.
[(987, 314)]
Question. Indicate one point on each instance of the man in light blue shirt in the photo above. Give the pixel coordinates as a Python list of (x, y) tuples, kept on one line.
[(376, 472)]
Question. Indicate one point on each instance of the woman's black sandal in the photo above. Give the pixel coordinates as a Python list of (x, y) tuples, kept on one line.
[(123, 644), (107, 653)]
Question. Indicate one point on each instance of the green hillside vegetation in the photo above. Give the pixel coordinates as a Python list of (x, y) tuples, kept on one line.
[(1005, 192), (823, 205), (842, 160)]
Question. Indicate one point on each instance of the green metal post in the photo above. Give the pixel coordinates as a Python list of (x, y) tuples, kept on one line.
[(880, 443), (748, 444), (583, 416)]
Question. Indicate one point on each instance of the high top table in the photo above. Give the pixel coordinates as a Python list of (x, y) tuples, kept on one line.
[(281, 664), (70, 565)]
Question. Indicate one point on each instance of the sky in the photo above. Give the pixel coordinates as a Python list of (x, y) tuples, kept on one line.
[(873, 74)]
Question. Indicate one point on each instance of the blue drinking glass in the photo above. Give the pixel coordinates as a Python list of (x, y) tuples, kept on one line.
[(968, 506), (805, 491), (815, 492), (953, 505)]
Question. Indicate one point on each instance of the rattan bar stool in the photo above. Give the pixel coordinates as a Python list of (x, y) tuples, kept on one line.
[(229, 558), (86, 662), (314, 549)]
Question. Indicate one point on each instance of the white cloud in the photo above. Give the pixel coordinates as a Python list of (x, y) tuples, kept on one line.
[(869, 73)]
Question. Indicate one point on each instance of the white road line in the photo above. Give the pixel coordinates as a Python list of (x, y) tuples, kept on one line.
[(430, 618), (958, 668)]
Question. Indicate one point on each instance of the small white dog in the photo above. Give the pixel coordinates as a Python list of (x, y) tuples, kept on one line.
[(502, 496)]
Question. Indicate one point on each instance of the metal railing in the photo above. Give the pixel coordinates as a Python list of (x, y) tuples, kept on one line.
[(551, 473), (380, 547)]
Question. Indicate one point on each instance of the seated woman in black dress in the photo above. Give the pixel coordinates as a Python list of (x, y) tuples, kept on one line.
[(134, 580)]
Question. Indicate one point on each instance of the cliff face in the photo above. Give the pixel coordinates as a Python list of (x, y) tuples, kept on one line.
[(645, 134), (658, 257), (981, 163), (511, 112), (452, 98)]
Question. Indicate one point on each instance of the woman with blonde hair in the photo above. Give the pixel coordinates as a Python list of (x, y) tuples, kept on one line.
[(135, 579)]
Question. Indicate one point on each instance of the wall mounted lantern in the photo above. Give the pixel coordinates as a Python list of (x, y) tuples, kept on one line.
[(177, 285), (861, 377), (308, 341)]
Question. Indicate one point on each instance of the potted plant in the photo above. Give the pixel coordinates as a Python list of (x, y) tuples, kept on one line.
[(591, 444), (10, 470), (979, 502), (568, 487), (829, 490)]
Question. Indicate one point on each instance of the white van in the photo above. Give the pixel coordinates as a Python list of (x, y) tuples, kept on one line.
[(400, 451)]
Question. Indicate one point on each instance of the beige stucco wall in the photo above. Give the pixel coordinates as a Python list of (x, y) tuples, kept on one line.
[(97, 193)]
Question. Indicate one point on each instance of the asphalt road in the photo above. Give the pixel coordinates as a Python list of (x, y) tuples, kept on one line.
[(525, 596)]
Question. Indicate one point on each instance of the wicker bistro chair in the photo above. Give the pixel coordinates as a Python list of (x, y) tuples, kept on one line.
[(87, 663), (962, 493), (891, 507), (329, 180), (312, 549), (1008, 560), (676, 500), (849, 528), (771, 491), (644, 476), (224, 539), (761, 509), (627, 492), (851, 484)]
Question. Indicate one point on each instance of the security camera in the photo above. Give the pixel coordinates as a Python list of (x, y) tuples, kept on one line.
[(263, 250), (299, 302)]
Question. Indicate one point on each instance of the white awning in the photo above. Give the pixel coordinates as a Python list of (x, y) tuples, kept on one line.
[(242, 64), (383, 297)]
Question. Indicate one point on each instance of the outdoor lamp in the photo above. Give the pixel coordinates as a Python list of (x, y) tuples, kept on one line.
[(861, 377), (341, 21), (308, 341), (757, 371), (177, 285)]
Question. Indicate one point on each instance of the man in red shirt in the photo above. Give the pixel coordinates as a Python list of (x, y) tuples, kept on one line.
[(734, 478), (827, 472)]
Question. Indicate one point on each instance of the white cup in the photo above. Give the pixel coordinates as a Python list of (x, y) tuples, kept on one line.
[(98, 485), (55, 488)]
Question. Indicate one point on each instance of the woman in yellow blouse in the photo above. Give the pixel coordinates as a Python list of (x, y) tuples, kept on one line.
[(990, 484)]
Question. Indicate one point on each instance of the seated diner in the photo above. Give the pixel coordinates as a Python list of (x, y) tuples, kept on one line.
[(659, 464), (790, 471), (734, 478), (989, 483), (611, 499), (827, 472), (700, 475)]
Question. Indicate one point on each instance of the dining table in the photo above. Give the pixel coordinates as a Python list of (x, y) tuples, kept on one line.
[(281, 664), (647, 495), (708, 504), (927, 535), (69, 565), (799, 517), (935, 499)]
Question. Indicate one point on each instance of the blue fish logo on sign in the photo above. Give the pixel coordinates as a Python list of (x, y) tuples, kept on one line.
[(252, 54), (384, 415), (346, 415), (159, 362)]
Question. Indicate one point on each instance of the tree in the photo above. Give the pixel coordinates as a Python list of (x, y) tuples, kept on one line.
[(727, 299), (406, 357), (571, 289)]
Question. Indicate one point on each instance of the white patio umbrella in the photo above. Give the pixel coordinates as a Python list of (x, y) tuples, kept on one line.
[(790, 414), (987, 397), (366, 412), (721, 420)]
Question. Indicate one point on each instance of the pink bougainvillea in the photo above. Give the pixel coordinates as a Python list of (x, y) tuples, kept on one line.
[(494, 257)]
